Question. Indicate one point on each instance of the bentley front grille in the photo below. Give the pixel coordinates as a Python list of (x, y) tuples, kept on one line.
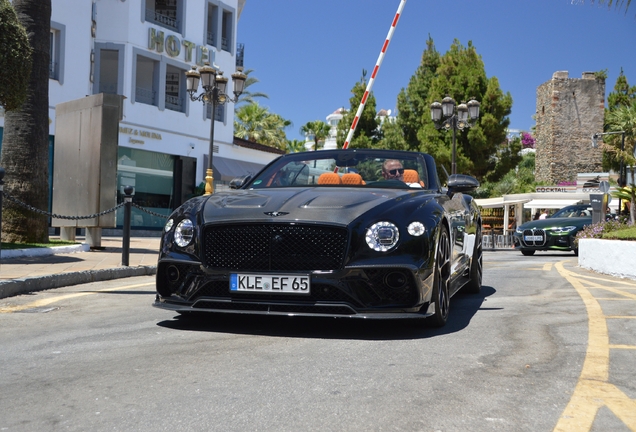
[(274, 247)]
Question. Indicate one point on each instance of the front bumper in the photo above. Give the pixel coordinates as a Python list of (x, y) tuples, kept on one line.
[(564, 242), (362, 292)]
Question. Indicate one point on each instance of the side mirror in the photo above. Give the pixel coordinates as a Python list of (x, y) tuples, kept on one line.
[(239, 182), (461, 183)]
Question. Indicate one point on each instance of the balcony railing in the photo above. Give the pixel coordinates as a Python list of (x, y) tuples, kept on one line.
[(210, 39), (144, 95), (161, 19), (174, 103), (219, 113)]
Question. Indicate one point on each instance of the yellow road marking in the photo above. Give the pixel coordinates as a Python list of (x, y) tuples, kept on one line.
[(547, 266), (593, 390), (48, 301)]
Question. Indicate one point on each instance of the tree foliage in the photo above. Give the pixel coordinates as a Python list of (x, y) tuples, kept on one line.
[(621, 99), (15, 58), (255, 123), (623, 119), (460, 74), (367, 134), (318, 129), (248, 97)]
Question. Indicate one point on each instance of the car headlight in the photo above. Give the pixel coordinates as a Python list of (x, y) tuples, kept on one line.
[(168, 225), (416, 229), (519, 231), (184, 233), (382, 236), (560, 230)]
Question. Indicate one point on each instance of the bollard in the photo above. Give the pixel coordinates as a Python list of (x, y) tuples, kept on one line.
[(125, 250)]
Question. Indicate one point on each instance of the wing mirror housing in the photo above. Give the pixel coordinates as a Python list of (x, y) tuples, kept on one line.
[(461, 183), (239, 182)]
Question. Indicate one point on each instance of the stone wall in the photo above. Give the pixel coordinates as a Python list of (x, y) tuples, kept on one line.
[(569, 111)]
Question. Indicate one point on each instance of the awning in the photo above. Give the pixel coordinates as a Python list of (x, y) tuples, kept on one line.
[(227, 169), (498, 202), (550, 203)]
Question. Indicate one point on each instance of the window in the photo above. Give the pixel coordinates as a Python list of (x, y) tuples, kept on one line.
[(166, 13), (212, 24), (226, 31), (219, 26), (146, 80), (151, 174), (175, 89), (108, 69), (219, 112), (56, 51)]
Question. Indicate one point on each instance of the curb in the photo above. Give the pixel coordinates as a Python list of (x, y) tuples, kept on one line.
[(26, 285), (33, 252)]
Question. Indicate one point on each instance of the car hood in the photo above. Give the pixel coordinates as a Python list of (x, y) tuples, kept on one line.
[(330, 205), (556, 222)]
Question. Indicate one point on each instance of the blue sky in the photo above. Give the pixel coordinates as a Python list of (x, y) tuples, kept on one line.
[(308, 54)]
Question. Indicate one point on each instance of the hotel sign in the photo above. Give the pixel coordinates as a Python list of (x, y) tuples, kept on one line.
[(172, 46)]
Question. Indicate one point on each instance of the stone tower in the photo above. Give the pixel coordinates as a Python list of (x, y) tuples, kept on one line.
[(569, 112)]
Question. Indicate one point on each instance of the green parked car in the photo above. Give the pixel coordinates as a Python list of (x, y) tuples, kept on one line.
[(556, 232)]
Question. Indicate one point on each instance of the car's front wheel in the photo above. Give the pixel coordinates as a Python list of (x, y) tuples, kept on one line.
[(527, 252), (441, 292), (476, 266)]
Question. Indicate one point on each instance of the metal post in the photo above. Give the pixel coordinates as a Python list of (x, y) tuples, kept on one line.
[(125, 250), (453, 122), (1, 196), (209, 177), (621, 180)]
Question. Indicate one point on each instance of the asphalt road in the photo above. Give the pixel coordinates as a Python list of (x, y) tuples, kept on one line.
[(545, 346)]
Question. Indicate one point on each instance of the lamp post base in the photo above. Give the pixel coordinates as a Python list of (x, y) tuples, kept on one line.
[(209, 182)]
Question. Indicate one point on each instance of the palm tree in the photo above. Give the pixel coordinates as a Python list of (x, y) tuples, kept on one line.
[(295, 146), (618, 4), (25, 145), (624, 119), (15, 56), (248, 96), (318, 129), (255, 123)]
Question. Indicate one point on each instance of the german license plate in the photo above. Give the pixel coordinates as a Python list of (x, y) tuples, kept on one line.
[(270, 284), (533, 238)]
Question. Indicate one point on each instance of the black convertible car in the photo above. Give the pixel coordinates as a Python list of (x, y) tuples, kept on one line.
[(337, 233)]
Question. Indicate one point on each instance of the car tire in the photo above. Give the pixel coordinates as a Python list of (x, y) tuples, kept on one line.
[(527, 252), (441, 291), (476, 266)]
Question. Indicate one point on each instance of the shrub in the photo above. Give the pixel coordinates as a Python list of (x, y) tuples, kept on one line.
[(598, 230)]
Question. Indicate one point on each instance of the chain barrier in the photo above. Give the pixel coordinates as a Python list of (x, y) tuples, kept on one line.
[(56, 216), (149, 212)]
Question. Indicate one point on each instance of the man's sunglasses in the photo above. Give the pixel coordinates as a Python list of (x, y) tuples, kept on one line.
[(396, 171)]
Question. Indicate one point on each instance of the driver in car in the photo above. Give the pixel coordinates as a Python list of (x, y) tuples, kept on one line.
[(392, 169)]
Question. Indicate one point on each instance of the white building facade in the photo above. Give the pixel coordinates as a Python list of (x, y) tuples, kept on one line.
[(141, 49)]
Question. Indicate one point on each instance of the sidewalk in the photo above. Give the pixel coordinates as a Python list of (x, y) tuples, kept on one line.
[(40, 272)]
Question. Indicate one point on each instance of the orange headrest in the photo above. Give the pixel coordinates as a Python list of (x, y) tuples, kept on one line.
[(329, 179), (352, 179)]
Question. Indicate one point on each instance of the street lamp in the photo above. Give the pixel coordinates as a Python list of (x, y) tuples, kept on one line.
[(621, 179), (444, 116), (213, 83)]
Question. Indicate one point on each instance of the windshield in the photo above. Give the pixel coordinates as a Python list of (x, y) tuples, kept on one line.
[(574, 211), (344, 168)]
